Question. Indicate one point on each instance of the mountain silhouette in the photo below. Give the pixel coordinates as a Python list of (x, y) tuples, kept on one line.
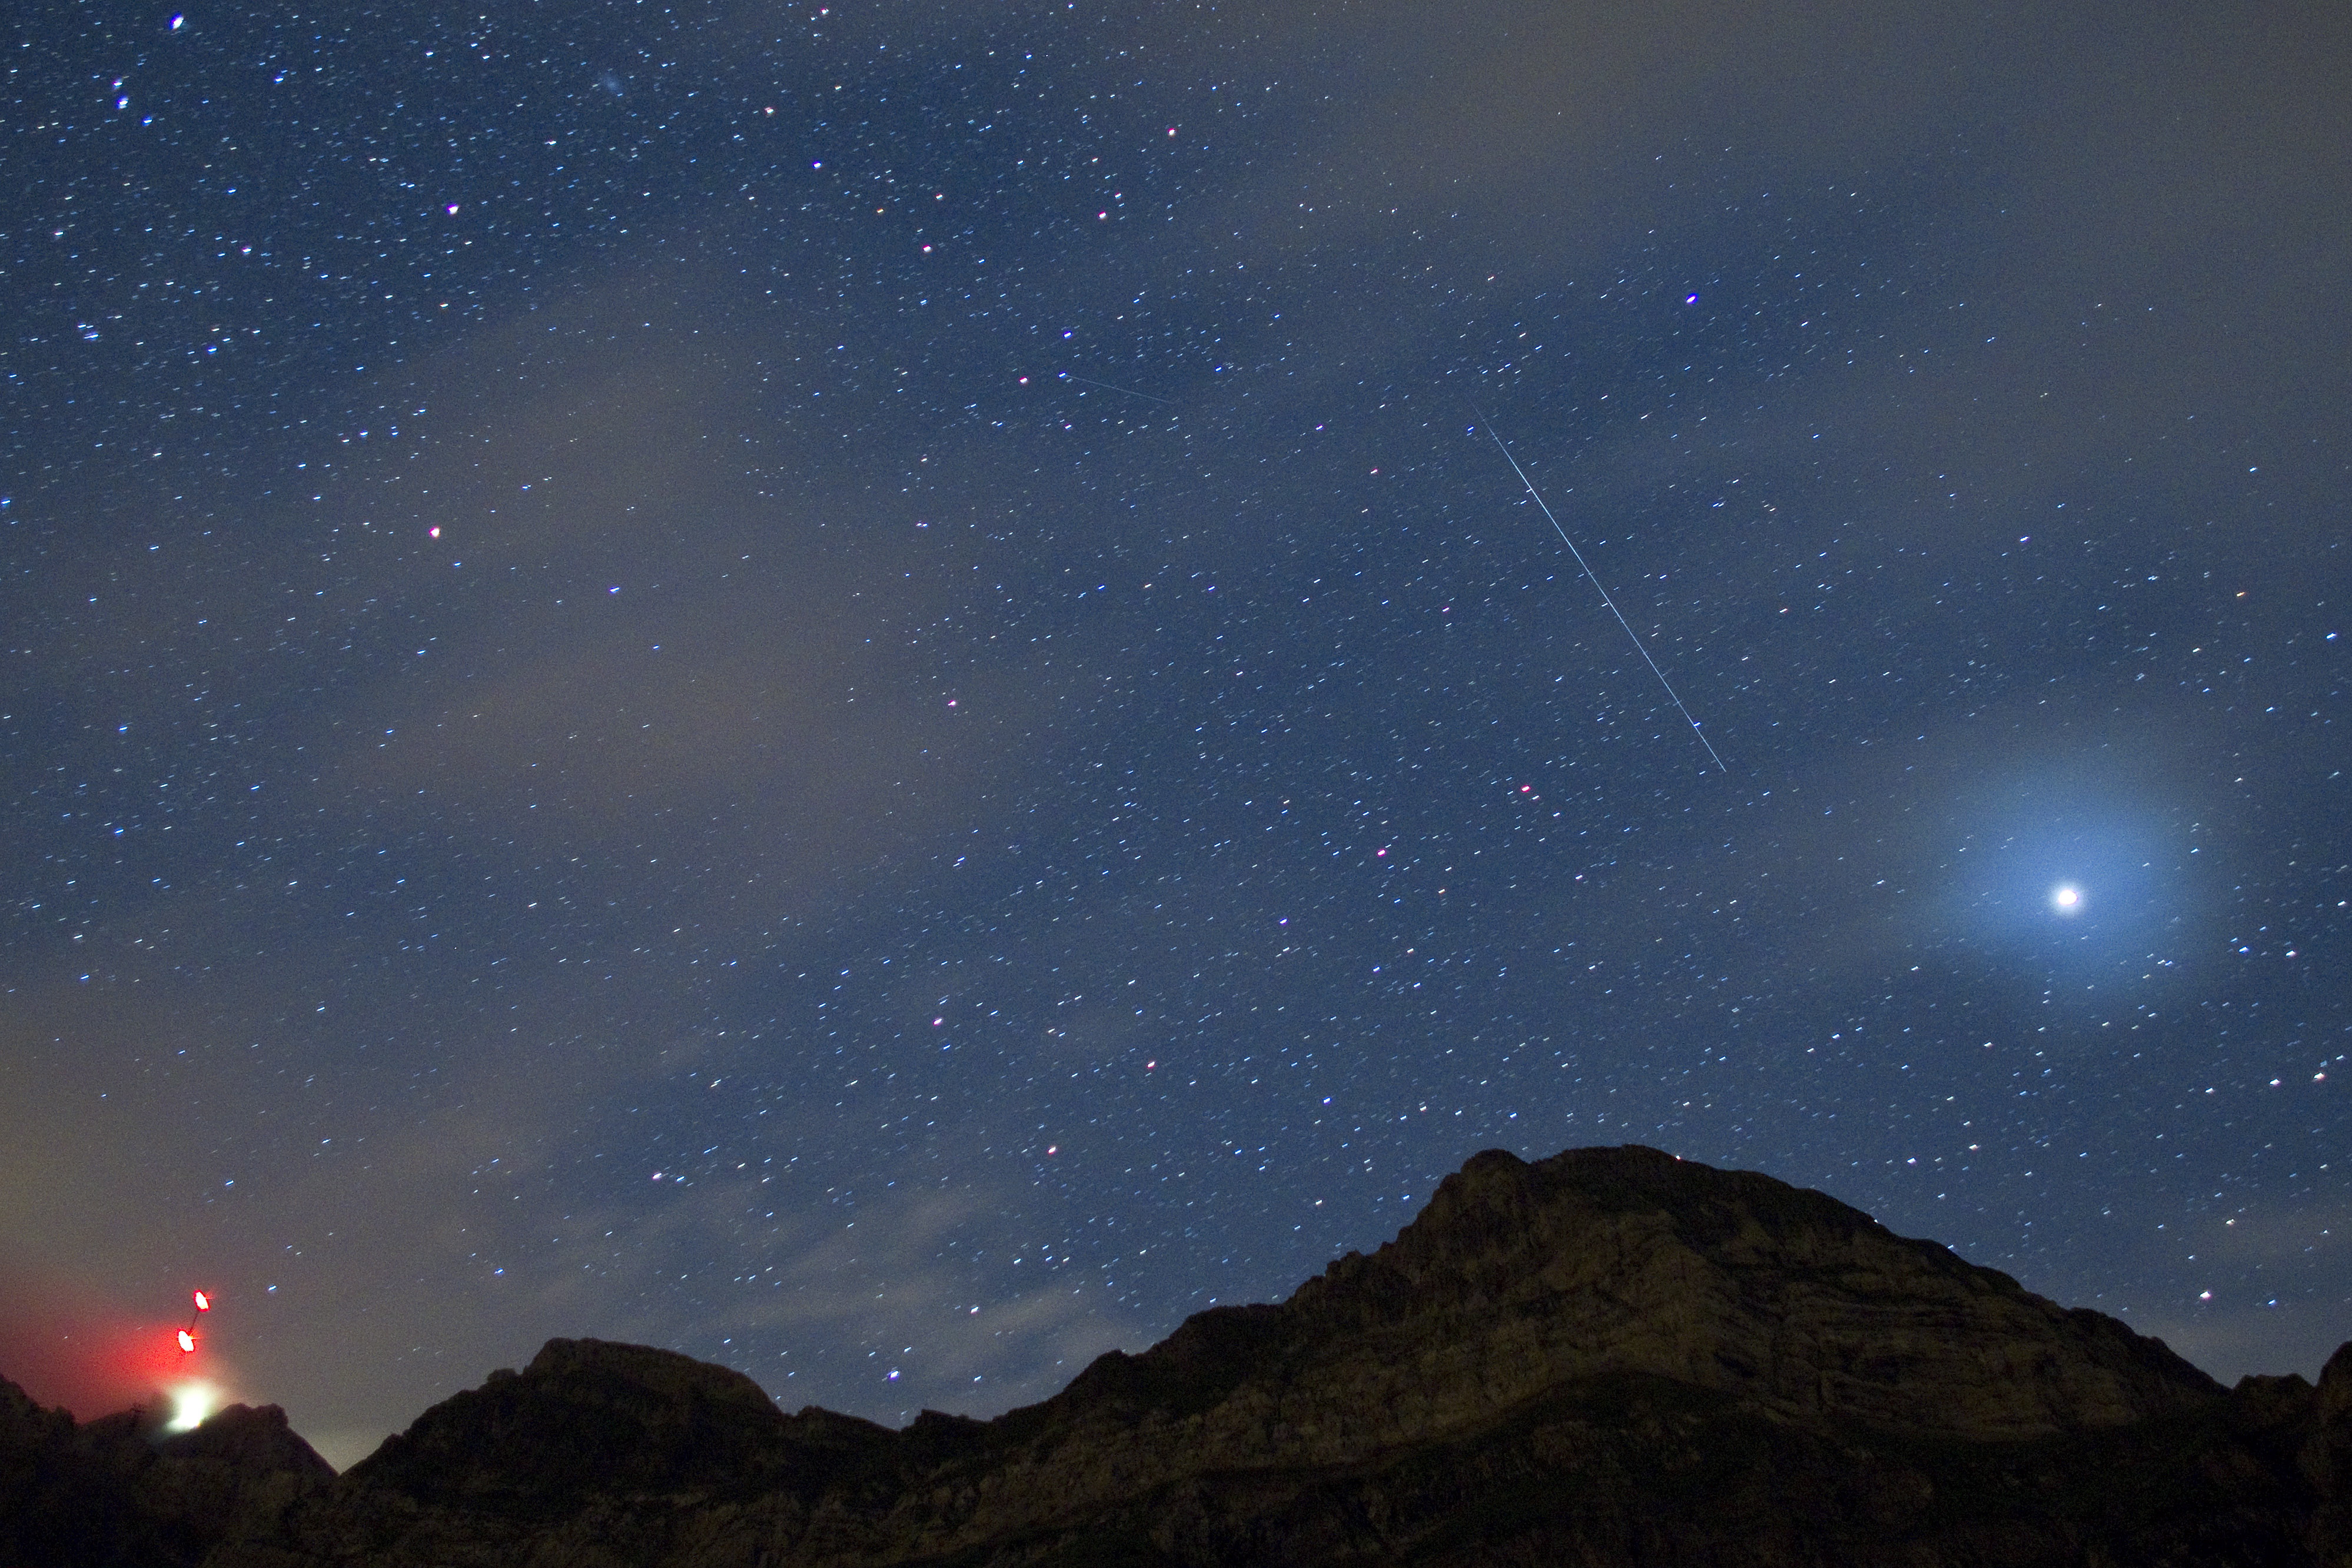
[(1610, 1357)]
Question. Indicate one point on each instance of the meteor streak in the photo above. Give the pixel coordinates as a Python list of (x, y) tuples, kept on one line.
[(1106, 386), (1605, 599)]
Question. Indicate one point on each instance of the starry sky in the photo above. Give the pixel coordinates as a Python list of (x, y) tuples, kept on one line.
[(857, 688)]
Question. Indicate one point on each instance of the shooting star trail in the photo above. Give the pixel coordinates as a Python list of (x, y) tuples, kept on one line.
[(1106, 386), (1605, 599)]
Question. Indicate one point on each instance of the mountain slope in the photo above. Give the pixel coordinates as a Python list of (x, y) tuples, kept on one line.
[(1608, 1357), (119, 1491)]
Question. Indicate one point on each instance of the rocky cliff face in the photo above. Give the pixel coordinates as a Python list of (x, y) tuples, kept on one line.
[(117, 1491), (1608, 1357), (1519, 1276)]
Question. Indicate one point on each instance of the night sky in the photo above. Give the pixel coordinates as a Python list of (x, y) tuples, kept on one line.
[(857, 691)]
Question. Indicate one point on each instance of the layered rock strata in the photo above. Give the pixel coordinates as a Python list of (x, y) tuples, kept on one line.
[(1608, 1357)]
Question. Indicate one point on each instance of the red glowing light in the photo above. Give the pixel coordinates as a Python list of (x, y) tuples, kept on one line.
[(187, 1336)]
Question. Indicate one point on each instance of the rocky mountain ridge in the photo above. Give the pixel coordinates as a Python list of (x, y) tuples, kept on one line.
[(121, 1490), (1611, 1356)]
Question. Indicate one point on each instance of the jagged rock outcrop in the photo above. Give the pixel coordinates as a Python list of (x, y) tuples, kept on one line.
[(2325, 1459), (1608, 1357), (117, 1490)]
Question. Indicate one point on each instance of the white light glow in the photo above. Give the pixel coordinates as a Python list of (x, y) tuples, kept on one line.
[(191, 1402), (2067, 899)]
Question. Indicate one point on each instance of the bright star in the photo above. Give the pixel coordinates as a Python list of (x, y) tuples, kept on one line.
[(2067, 899)]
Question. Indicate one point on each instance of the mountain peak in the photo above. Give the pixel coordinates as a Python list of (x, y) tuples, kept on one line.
[(1629, 1259), (1519, 1278), (1610, 1356)]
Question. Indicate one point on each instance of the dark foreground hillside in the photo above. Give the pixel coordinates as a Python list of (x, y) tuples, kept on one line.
[(118, 1493), (1610, 1357)]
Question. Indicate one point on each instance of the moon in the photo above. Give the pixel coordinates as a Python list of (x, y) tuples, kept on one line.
[(2066, 897)]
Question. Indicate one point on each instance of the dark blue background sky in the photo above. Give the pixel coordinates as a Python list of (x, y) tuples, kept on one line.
[(987, 752)]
